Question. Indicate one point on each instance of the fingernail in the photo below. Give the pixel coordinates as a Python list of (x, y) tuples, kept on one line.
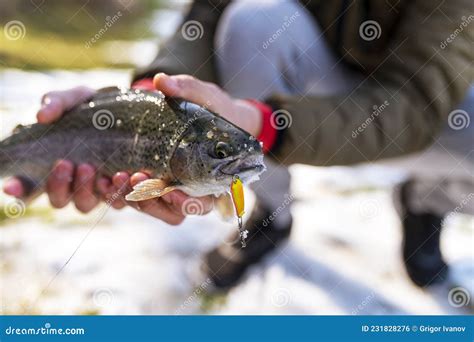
[(103, 184), (46, 101), (167, 81), (13, 187), (63, 171), (85, 172), (137, 178), (120, 179), (46, 112)]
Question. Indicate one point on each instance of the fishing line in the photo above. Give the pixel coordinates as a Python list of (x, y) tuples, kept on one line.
[(61, 269)]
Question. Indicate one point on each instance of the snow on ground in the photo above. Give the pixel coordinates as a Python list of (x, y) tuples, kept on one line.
[(343, 256)]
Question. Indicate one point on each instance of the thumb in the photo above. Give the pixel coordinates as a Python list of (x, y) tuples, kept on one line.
[(191, 89)]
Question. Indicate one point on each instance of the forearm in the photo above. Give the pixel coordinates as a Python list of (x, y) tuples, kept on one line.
[(420, 82)]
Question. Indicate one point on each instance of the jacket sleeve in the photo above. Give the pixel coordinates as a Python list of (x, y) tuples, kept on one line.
[(190, 49), (427, 73)]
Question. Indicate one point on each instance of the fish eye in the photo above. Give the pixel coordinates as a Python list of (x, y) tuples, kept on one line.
[(222, 150)]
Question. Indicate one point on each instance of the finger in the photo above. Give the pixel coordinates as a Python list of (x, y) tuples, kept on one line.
[(14, 187), (109, 193), (84, 195), (56, 102), (189, 88), (179, 202), (159, 209), (121, 184), (138, 177), (58, 185), (104, 186)]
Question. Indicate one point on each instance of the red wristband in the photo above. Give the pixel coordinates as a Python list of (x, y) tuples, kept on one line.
[(144, 84), (268, 134)]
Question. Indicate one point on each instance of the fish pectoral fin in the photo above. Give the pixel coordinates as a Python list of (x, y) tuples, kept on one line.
[(148, 189), (224, 206)]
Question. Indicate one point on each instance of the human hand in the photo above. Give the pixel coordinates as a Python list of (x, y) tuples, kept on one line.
[(209, 95)]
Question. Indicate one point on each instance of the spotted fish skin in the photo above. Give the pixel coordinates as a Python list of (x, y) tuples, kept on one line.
[(128, 130)]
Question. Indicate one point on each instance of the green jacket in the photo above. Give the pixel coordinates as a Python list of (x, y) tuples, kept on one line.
[(421, 65)]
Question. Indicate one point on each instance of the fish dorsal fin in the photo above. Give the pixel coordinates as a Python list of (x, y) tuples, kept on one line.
[(224, 206), (148, 189)]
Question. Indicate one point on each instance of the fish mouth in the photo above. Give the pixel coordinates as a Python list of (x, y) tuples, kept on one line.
[(244, 168)]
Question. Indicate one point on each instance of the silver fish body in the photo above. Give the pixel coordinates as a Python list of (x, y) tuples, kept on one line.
[(134, 130)]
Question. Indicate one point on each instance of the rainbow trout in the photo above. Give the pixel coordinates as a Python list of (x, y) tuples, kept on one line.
[(187, 146)]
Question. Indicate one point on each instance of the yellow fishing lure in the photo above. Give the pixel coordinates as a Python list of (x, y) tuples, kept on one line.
[(237, 193)]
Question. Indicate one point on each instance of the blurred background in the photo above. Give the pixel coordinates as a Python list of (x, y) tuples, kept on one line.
[(344, 254)]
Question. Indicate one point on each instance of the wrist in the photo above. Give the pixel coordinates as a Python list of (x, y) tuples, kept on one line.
[(267, 133)]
